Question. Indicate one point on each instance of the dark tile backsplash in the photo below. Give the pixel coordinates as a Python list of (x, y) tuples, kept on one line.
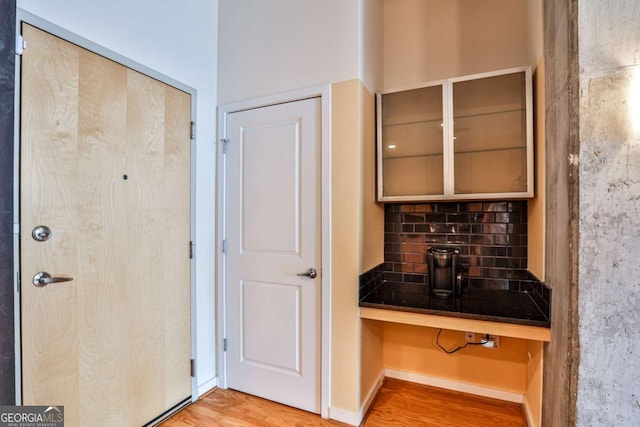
[(370, 280), (492, 237), (540, 294)]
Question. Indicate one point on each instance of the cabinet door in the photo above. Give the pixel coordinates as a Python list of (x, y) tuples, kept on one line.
[(490, 134), (410, 143)]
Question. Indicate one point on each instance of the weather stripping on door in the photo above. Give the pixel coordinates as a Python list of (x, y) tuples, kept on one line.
[(43, 279)]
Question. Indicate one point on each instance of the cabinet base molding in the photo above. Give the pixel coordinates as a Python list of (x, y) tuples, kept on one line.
[(455, 385), (344, 416), (371, 396)]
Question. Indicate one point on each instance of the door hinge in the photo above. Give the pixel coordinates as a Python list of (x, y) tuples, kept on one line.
[(21, 44), (18, 281), (192, 250), (225, 246), (193, 130), (225, 145), (224, 344), (193, 367)]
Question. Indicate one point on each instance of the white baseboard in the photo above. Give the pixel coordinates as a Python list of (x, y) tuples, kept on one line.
[(455, 385), (371, 396), (207, 386), (344, 416), (353, 418), (528, 414)]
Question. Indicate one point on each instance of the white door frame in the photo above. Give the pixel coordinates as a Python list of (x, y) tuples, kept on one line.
[(31, 19), (324, 92)]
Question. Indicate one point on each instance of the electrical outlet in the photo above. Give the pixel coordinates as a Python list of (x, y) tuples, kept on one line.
[(470, 336), (493, 341)]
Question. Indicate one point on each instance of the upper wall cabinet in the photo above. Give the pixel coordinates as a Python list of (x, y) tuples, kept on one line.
[(464, 138)]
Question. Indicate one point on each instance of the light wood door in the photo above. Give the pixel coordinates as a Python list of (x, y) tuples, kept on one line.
[(273, 233), (104, 162)]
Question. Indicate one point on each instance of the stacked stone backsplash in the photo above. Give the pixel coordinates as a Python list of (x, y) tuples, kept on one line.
[(492, 237)]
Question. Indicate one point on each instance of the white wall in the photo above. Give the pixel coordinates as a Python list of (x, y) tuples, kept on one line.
[(268, 47), (179, 39), (371, 44)]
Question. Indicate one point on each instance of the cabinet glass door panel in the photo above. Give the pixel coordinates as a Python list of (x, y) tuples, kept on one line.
[(490, 134), (412, 148)]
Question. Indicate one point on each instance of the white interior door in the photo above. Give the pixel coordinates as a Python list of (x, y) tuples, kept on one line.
[(273, 235)]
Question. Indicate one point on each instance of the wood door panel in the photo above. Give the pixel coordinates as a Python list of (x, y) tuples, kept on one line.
[(102, 321), (105, 160), (142, 243), (263, 146), (177, 294), (271, 319), (50, 76)]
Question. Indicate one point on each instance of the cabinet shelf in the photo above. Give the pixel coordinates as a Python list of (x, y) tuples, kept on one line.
[(417, 156), (490, 112), (491, 150), (487, 150), (412, 122)]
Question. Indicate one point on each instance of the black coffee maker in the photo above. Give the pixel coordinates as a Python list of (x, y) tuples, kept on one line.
[(445, 279)]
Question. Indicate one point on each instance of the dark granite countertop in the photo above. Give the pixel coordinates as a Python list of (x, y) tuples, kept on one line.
[(496, 305)]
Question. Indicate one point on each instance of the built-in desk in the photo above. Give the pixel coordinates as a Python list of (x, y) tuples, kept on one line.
[(513, 372), (497, 312), (400, 328), (536, 333)]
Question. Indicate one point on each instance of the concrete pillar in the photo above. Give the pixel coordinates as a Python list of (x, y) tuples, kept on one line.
[(609, 264), (561, 188)]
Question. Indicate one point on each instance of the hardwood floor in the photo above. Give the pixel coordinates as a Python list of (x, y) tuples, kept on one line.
[(232, 408), (398, 403)]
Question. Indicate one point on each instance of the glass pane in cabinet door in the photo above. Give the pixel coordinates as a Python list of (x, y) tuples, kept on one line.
[(490, 135), (412, 142)]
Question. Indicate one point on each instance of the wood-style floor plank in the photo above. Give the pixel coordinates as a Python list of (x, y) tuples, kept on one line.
[(233, 408), (398, 403), (401, 403)]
